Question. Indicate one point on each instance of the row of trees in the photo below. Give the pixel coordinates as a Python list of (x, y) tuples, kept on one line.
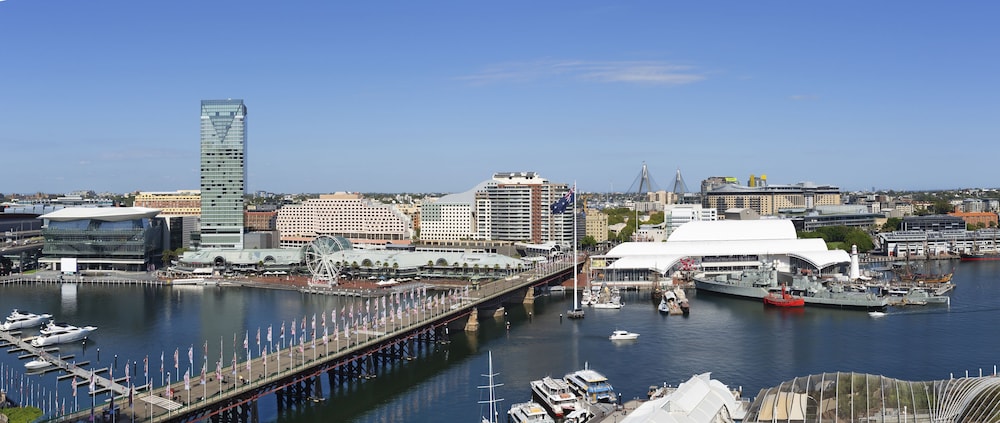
[(841, 237)]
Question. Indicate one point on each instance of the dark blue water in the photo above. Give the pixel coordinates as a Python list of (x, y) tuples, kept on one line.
[(739, 341)]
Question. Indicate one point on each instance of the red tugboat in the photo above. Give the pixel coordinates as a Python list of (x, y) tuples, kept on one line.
[(783, 299)]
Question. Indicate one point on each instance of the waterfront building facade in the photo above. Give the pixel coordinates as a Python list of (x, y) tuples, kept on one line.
[(348, 215), (511, 206), (720, 247), (770, 200), (176, 203), (449, 218), (596, 225), (974, 219), (920, 243), (514, 206), (262, 219), (103, 238), (938, 222), (223, 173)]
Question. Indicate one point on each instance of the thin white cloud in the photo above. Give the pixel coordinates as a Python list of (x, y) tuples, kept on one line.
[(638, 72), (142, 154)]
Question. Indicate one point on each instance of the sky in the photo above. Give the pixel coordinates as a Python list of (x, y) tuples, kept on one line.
[(436, 96)]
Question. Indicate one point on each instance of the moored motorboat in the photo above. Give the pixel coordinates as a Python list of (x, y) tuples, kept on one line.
[(528, 412), (682, 301), (783, 299), (663, 307), (18, 319), (60, 334), (555, 395), (623, 335), (38, 364), (592, 386)]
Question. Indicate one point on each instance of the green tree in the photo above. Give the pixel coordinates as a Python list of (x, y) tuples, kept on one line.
[(942, 207), (859, 238), (892, 224), (655, 218), (588, 242)]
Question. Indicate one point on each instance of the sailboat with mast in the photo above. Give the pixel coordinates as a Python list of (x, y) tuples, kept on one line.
[(493, 415), (559, 207)]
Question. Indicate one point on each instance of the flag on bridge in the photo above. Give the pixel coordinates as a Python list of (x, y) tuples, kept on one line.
[(561, 205)]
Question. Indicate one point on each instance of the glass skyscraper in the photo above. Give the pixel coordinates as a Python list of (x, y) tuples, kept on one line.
[(223, 172)]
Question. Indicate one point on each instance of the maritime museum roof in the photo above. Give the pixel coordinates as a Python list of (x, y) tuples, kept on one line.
[(725, 238)]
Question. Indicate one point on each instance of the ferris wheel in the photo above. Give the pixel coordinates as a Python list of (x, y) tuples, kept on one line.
[(321, 258)]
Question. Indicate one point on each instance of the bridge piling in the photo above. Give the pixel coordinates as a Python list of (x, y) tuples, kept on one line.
[(473, 324)]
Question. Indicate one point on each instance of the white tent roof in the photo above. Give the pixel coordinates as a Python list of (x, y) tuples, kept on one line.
[(700, 399), (725, 238)]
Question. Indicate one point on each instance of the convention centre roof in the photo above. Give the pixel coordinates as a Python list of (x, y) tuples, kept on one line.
[(725, 238), (106, 214)]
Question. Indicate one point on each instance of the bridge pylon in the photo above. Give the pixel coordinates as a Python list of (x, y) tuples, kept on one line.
[(473, 324)]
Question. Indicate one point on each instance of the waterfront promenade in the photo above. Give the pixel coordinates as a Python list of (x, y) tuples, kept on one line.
[(399, 314)]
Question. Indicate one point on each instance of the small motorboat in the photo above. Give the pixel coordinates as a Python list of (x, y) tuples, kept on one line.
[(623, 335), (876, 313), (784, 299), (37, 364)]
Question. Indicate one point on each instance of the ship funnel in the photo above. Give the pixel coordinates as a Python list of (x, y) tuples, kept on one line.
[(855, 267)]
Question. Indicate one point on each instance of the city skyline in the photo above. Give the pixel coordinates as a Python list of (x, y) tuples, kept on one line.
[(407, 97)]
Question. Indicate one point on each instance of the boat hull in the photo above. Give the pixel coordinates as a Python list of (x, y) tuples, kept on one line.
[(554, 395), (18, 320), (812, 295), (979, 256), (62, 338), (784, 302)]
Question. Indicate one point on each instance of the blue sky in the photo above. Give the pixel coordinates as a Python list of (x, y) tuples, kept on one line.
[(436, 96)]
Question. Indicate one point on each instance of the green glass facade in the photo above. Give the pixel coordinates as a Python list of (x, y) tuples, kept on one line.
[(132, 245), (223, 173)]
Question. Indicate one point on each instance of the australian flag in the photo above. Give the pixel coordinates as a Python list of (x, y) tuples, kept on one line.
[(561, 205)]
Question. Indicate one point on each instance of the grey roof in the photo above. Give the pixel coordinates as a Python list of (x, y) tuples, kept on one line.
[(467, 197), (247, 257)]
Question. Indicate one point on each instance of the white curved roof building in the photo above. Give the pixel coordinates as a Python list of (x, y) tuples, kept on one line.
[(104, 214), (725, 246)]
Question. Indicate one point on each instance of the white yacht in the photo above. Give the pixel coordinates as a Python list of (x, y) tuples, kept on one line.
[(555, 395), (592, 386), (623, 335), (60, 334), (528, 412), (19, 319), (38, 364)]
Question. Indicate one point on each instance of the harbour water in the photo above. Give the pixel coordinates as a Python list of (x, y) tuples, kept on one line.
[(739, 341)]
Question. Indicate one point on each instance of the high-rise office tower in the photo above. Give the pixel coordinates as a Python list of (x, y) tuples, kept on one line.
[(223, 172)]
